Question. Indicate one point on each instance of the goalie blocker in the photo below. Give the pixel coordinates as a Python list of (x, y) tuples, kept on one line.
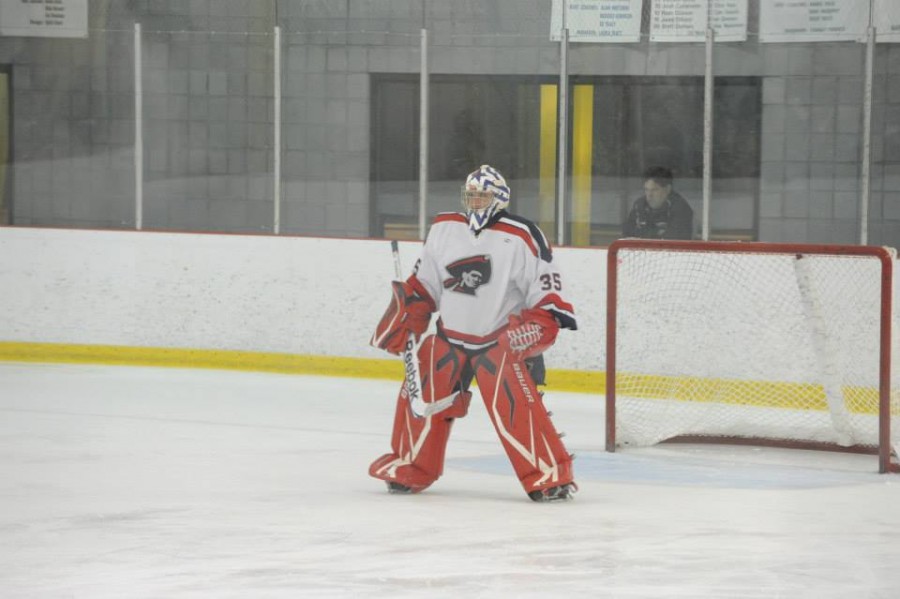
[(407, 313)]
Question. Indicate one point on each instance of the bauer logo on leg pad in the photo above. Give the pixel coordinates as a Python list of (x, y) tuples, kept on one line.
[(522, 379)]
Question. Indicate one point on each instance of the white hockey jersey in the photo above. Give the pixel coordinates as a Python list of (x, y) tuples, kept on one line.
[(477, 282)]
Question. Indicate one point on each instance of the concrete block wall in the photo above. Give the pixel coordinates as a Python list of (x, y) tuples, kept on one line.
[(208, 130), (208, 111), (811, 142), (72, 130)]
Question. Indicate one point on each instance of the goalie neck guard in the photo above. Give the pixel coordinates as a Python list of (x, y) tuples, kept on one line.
[(484, 194)]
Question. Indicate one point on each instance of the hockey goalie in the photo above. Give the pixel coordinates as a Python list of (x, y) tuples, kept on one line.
[(492, 278)]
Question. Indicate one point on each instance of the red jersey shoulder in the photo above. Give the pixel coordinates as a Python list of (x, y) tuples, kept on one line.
[(450, 217)]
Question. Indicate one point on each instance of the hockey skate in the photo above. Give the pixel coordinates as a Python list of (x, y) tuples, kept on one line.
[(560, 493), (398, 489)]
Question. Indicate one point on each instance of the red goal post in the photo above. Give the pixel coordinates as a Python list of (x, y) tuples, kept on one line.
[(756, 343)]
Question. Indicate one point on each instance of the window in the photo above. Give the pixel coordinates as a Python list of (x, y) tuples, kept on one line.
[(625, 123)]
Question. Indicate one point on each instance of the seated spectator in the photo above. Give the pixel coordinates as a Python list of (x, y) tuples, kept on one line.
[(661, 213)]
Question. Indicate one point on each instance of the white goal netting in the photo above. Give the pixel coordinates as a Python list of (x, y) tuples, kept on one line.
[(743, 343)]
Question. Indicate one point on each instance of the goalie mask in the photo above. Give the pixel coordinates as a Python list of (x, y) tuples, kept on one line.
[(484, 195)]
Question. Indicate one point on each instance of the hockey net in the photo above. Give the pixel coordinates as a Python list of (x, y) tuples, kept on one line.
[(771, 344)]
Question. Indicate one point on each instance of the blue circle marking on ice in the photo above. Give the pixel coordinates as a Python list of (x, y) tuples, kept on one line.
[(686, 471)]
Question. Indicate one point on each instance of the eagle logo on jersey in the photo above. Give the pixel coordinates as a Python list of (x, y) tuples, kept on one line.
[(468, 274)]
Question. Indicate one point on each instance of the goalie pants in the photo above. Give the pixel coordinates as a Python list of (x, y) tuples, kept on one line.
[(513, 402)]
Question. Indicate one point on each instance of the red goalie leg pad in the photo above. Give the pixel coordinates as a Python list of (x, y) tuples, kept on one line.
[(514, 404), (418, 442)]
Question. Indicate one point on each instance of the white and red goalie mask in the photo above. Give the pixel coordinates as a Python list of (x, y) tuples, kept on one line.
[(484, 194)]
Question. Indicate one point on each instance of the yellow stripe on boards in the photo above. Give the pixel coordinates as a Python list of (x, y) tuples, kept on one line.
[(561, 380), (796, 396), (763, 394), (200, 358)]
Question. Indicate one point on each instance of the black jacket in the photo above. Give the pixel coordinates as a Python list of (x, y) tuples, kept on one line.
[(672, 220)]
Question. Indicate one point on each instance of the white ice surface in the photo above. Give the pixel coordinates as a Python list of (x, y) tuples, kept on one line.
[(140, 482)]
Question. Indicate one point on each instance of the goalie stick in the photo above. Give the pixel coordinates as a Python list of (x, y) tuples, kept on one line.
[(412, 378)]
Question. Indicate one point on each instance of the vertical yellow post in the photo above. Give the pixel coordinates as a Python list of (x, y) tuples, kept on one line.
[(547, 167), (582, 159)]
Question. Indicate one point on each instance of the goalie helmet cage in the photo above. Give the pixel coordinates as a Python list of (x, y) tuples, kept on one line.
[(785, 345)]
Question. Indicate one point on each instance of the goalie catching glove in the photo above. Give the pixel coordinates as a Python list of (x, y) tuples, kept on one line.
[(407, 313), (530, 333)]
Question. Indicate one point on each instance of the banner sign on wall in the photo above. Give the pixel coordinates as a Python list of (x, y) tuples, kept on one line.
[(44, 18), (686, 20), (813, 20), (780, 21), (597, 20), (729, 20), (887, 21)]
